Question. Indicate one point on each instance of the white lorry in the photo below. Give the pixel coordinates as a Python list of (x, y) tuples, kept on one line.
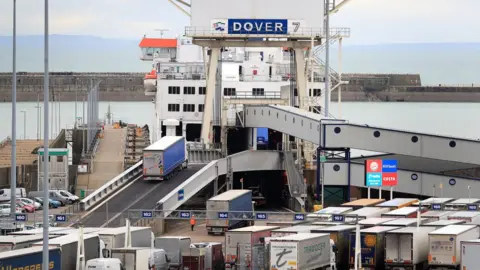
[(141, 237), (444, 245), (470, 252), (364, 213), (174, 247), (294, 230), (406, 248), (301, 251)]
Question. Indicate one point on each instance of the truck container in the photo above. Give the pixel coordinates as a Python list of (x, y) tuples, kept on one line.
[(68, 245), (472, 217), (239, 243), (372, 244), (31, 258), (404, 212), (86, 230), (174, 246), (294, 230), (444, 245), (283, 224), (9, 242), (164, 157), (428, 203), (406, 248), (460, 204), (434, 215), (220, 207), (322, 224), (39, 231), (141, 237), (300, 251), (213, 251), (372, 222), (364, 213), (194, 259), (327, 213), (397, 203), (444, 222), (358, 204), (470, 253), (340, 237), (405, 222), (132, 258)]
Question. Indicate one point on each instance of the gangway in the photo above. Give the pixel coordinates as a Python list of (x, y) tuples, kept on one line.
[(296, 184)]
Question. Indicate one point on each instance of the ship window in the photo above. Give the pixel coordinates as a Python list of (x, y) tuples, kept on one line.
[(174, 90), (229, 92), (258, 92), (59, 158), (188, 107), (316, 92), (189, 90), (202, 90), (201, 107), (173, 107)]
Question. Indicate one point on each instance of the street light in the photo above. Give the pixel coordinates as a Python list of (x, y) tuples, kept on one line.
[(24, 124), (39, 121), (13, 164)]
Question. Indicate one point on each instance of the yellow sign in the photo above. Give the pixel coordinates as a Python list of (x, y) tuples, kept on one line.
[(370, 240)]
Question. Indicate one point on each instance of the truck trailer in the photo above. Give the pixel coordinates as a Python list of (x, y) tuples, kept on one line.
[(361, 203), (164, 157), (406, 248), (9, 242), (364, 213), (470, 253), (294, 230), (31, 258), (115, 237), (340, 237), (437, 215), (405, 222), (174, 247), (404, 212), (132, 258), (220, 207)]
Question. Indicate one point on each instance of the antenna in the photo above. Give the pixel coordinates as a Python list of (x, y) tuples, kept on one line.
[(161, 31)]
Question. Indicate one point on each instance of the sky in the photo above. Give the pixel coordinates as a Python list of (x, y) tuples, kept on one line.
[(370, 21)]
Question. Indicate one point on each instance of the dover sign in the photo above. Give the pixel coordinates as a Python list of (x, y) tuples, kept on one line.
[(262, 27)]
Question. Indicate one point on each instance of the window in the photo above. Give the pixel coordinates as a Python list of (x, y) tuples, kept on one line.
[(316, 92), (188, 107), (295, 92), (202, 90), (189, 90), (44, 159), (315, 109), (173, 107), (201, 107), (174, 90), (258, 92), (59, 158), (229, 92)]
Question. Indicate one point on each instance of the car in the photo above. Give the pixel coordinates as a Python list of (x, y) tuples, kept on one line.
[(52, 203), (26, 207), (31, 202), (28, 227), (5, 209)]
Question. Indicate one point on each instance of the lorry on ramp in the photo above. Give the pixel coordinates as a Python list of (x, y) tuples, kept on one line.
[(221, 206), (31, 258), (300, 251), (164, 157)]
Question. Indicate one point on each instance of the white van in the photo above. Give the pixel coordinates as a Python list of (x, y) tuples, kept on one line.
[(6, 193)]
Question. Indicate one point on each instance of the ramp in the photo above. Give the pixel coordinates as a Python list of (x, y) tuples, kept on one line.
[(295, 181)]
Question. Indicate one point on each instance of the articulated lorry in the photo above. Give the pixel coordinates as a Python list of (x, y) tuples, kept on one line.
[(221, 209), (164, 157), (141, 237), (9, 242), (340, 235), (470, 253), (32, 258)]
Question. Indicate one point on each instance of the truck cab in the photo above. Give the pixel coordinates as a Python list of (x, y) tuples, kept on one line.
[(104, 264)]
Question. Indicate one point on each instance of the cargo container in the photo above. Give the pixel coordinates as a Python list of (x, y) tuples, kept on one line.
[(283, 224), (326, 223), (327, 213), (300, 251), (39, 231), (220, 207), (404, 212), (444, 245), (472, 217), (444, 222), (68, 245), (406, 248), (405, 222), (164, 157), (18, 242), (174, 246), (214, 258), (194, 259), (437, 215), (358, 204), (340, 237), (469, 256), (294, 230), (31, 258), (87, 230), (364, 213), (239, 243), (372, 222), (398, 203), (372, 244), (460, 204), (132, 258), (436, 202), (141, 237)]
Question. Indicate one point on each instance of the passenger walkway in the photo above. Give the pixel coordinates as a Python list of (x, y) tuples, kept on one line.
[(108, 161)]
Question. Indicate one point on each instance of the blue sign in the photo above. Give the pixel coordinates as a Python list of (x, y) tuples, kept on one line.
[(261, 216), (299, 217), (389, 166), (147, 214), (338, 218), (472, 207), (181, 194), (436, 206), (222, 215), (21, 217), (184, 214), (256, 26), (374, 179), (60, 218)]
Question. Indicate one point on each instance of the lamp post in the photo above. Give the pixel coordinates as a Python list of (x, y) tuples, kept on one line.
[(39, 121), (24, 124), (13, 171)]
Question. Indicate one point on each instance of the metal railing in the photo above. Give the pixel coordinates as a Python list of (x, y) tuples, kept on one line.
[(251, 95), (111, 186), (195, 31)]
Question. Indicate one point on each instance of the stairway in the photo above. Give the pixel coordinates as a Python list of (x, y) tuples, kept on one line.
[(296, 184)]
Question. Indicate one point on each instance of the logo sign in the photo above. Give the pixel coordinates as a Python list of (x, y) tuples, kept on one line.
[(299, 217), (21, 217), (147, 214), (472, 207), (181, 194), (223, 215), (436, 206), (261, 216), (184, 214), (381, 173), (60, 218), (338, 218)]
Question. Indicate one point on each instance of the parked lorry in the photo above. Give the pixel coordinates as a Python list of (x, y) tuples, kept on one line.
[(406, 248), (372, 222), (436, 215), (444, 222), (294, 230), (364, 213), (214, 258), (327, 213), (301, 251), (284, 223), (470, 217), (461, 204), (404, 212), (141, 237), (433, 203), (194, 259), (405, 222), (239, 244), (220, 207), (397, 203), (470, 254), (372, 244), (361, 203), (31, 258), (340, 237), (132, 258), (444, 245), (162, 158), (8, 242), (174, 246)]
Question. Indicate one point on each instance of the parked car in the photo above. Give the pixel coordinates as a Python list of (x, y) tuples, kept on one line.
[(26, 207), (5, 209), (31, 202), (28, 227), (52, 203)]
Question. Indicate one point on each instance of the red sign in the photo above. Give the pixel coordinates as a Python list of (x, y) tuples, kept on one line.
[(389, 179), (374, 165)]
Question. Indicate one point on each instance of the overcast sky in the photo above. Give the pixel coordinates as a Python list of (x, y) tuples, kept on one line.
[(371, 21)]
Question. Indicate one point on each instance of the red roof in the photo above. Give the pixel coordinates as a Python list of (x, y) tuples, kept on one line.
[(158, 43)]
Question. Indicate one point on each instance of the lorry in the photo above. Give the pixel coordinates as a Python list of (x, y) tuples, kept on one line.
[(444, 244), (404, 212), (221, 206), (340, 237), (164, 157), (239, 244), (68, 246), (294, 230), (194, 259), (364, 213), (444, 222), (372, 244), (214, 258), (8, 242), (460, 204), (126, 259), (361, 203), (174, 247), (31, 258), (372, 222), (433, 203), (132, 258), (437, 215), (397, 203), (405, 222), (301, 251), (284, 223), (472, 217), (327, 213), (470, 252), (406, 248), (115, 238)]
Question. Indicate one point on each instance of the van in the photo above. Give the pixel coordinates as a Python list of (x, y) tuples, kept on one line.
[(5, 194), (59, 195)]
